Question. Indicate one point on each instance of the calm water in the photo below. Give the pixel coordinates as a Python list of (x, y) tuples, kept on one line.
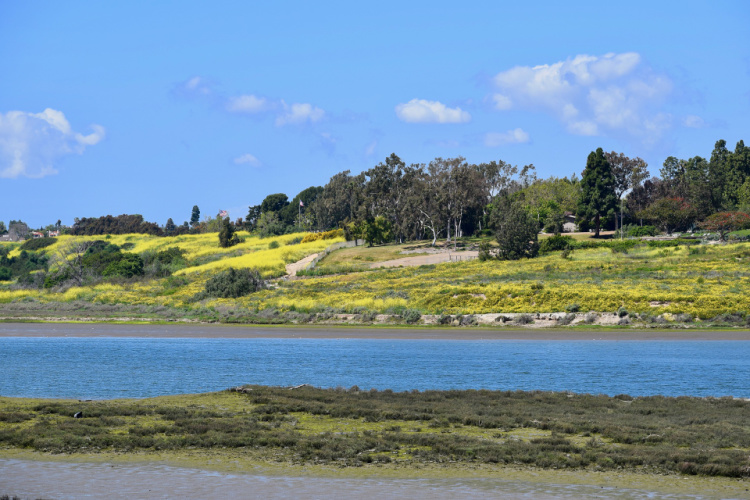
[(96, 368)]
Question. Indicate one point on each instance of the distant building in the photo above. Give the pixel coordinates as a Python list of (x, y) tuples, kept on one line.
[(37, 234), (570, 226), (53, 234)]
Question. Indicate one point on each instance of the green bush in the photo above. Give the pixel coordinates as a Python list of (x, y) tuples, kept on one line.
[(554, 243), (485, 250), (640, 231), (232, 283), (37, 243), (5, 274), (127, 266), (411, 316), (273, 244)]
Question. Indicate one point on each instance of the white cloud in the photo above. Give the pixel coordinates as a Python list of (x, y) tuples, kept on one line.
[(247, 159), (31, 143), (423, 111), (299, 113), (515, 136), (591, 95), (196, 85), (693, 121), (247, 104), (502, 102)]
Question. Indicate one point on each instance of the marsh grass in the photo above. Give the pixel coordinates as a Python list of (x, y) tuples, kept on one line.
[(708, 436)]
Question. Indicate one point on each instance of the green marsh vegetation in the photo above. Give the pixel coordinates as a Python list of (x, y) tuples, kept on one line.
[(351, 428)]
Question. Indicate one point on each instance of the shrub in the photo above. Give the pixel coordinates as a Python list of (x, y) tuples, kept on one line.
[(485, 251), (127, 266), (566, 253), (620, 246), (524, 319), (232, 283), (516, 232), (5, 274), (572, 308), (554, 243), (622, 312), (411, 316), (590, 318), (641, 231), (684, 318), (294, 241), (566, 320), (273, 244), (37, 243)]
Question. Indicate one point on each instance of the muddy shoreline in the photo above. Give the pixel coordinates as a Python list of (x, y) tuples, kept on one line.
[(349, 332)]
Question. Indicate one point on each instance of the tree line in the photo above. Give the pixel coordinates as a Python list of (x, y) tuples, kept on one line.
[(451, 198)]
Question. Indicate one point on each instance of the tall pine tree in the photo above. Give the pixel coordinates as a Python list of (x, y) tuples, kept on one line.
[(597, 192)]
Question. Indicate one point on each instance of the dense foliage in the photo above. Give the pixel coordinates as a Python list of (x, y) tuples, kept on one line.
[(515, 230), (233, 283), (122, 224)]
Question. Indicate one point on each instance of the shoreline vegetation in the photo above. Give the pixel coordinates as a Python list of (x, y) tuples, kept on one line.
[(348, 431)]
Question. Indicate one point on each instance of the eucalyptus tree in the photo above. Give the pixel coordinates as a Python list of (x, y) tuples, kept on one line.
[(341, 199), (628, 173)]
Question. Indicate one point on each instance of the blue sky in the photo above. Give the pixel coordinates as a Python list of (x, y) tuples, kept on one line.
[(130, 107)]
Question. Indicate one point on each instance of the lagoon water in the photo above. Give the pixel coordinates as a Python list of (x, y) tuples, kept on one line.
[(100, 368)]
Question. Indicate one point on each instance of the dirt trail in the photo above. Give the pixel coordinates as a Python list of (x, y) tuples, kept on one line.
[(421, 260), (291, 269)]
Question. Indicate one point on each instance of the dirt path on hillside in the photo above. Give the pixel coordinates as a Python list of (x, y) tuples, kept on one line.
[(291, 269), (421, 260)]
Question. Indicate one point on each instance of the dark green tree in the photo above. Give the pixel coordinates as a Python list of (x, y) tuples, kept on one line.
[(170, 227), (195, 217), (598, 199), (227, 238), (251, 219), (717, 173), (670, 214), (516, 231), (274, 203), (738, 171)]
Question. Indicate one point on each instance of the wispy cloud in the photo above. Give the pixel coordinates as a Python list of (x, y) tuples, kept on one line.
[(247, 159), (515, 136), (423, 111), (196, 86), (693, 121), (247, 104), (251, 104), (299, 113), (591, 95), (31, 143)]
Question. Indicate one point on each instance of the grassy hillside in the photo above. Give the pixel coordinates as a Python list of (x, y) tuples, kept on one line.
[(665, 284)]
